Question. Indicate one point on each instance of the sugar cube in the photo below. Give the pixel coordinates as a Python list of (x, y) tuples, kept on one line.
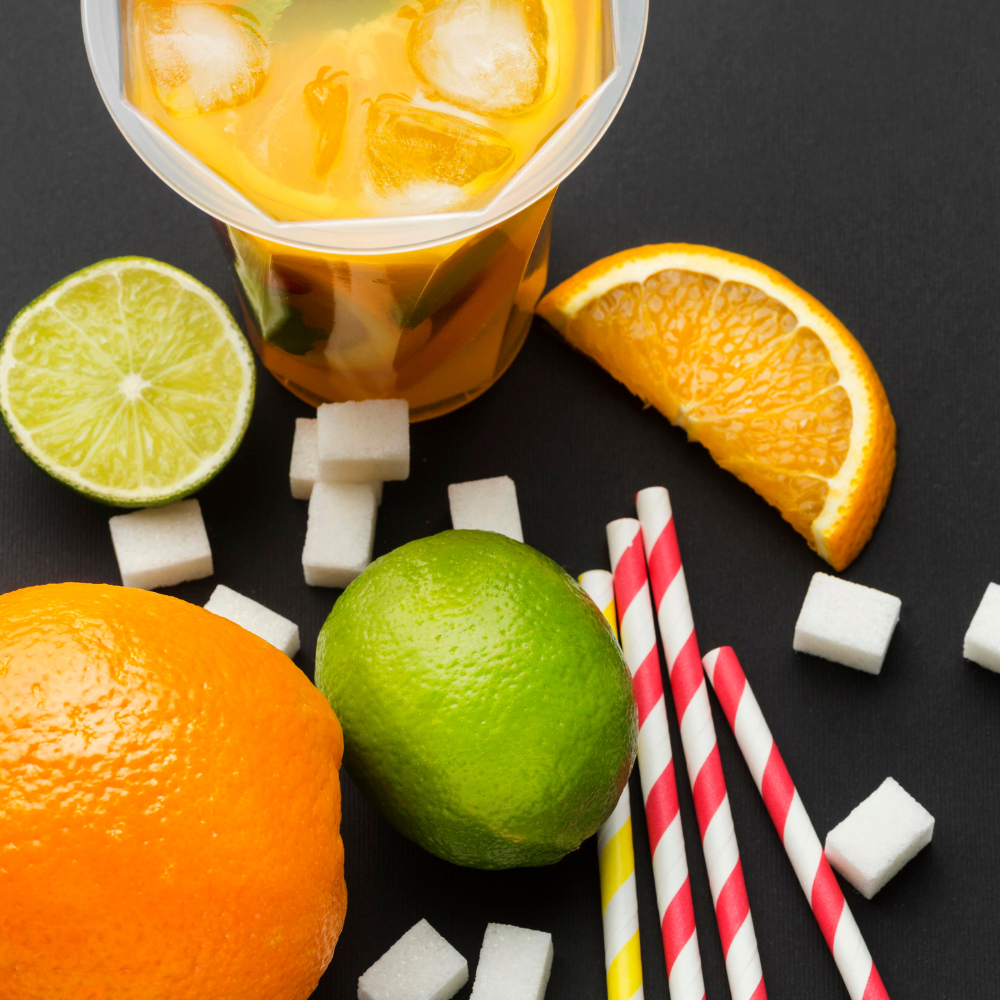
[(846, 622), (254, 617), (881, 835), (363, 442), (486, 505), (304, 469), (421, 965), (340, 533), (514, 964), (305, 459), (982, 641), (161, 546)]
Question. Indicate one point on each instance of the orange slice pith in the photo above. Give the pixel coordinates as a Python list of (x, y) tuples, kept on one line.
[(751, 366)]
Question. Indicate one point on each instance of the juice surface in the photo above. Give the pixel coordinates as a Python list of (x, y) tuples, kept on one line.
[(320, 109)]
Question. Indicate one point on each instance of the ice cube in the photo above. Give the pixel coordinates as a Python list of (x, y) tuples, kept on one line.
[(201, 56), (485, 55), (420, 160)]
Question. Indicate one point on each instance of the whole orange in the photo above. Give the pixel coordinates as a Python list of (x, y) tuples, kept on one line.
[(169, 804)]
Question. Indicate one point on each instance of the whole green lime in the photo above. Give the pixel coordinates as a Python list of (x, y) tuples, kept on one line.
[(487, 711)]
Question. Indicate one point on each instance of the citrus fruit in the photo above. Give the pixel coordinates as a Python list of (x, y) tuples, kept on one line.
[(487, 711), (129, 381), (754, 368), (169, 804)]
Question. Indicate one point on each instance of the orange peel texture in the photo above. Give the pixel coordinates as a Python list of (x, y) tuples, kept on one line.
[(169, 804), (752, 367)]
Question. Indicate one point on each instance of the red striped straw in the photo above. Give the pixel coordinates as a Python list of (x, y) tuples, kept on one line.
[(656, 763), (701, 750), (794, 827)]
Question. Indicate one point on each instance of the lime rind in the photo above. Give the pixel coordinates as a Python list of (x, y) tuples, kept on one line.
[(487, 711), (75, 395)]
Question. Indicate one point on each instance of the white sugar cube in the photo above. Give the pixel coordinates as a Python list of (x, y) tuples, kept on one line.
[(486, 505), (340, 533), (982, 641), (304, 469), (421, 965), (364, 442), (881, 835), (305, 459), (514, 964), (846, 622), (161, 546), (254, 617)]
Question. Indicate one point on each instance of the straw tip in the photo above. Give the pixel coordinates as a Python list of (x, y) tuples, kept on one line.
[(622, 522), (622, 534), (711, 658), (652, 493)]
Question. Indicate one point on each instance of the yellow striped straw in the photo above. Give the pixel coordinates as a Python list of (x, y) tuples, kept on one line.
[(619, 904), (600, 587)]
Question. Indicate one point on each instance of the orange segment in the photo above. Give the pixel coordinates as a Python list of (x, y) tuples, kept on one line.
[(751, 366)]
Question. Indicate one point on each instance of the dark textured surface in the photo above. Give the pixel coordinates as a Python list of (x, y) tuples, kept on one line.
[(854, 147)]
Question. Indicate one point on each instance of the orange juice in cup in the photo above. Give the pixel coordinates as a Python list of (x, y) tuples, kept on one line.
[(345, 108), (435, 327), (381, 173)]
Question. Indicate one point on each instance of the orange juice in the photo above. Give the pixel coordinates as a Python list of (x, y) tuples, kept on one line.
[(436, 327), (339, 109)]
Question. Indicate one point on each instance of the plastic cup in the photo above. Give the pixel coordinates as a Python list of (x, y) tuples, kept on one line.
[(429, 308)]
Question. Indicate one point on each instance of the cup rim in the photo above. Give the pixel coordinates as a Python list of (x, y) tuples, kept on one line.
[(208, 191)]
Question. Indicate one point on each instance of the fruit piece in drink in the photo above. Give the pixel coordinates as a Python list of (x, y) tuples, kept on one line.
[(489, 56), (201, 56), (326, 99)]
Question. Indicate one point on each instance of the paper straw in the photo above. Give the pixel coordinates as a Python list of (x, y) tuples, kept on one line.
[(656, 765), (619, 904), (794, 827), (600, 587), (701, 750)]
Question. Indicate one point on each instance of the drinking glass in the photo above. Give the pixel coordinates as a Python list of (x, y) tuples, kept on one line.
[(428, 308)]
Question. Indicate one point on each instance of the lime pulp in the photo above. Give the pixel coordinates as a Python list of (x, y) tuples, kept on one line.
[(129, 381)]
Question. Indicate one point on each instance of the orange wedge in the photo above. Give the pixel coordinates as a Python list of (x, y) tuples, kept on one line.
[(753, 367)]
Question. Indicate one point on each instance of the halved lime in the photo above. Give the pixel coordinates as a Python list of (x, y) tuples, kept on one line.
[(128, 381)]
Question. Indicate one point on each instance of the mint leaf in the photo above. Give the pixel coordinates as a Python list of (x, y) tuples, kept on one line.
[(264, 12), (294, 336)]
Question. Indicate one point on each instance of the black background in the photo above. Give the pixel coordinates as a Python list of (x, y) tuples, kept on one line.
[(852, 146)]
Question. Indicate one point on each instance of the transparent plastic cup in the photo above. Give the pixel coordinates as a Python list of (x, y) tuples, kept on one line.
[(429, 308)]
